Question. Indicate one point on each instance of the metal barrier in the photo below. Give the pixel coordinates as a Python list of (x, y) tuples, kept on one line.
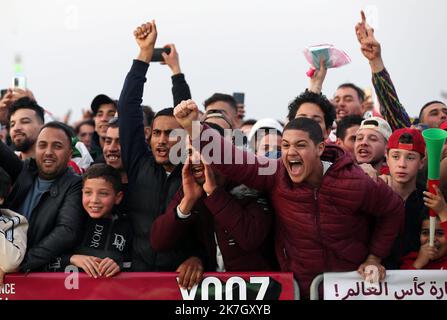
[(296, 290), (314, 286)]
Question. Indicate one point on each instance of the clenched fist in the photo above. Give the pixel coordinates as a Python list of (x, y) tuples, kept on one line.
[(146, 35), (185, 113)]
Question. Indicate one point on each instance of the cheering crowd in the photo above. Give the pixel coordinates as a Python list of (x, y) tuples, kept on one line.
[(334, 187)]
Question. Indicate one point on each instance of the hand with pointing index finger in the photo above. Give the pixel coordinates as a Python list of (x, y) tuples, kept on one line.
[(369, 46)]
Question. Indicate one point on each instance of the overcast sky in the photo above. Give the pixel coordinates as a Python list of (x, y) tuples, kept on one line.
[(75, 49)]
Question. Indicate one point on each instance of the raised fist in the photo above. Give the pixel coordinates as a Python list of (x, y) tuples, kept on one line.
[(185, 113), (146, 35)]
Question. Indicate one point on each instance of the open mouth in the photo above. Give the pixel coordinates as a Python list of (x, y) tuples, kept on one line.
[(198, 171), (113, 157), (363, 153), (296, 166), (48, 162), (341, 113), (162, 152), (95, 209)]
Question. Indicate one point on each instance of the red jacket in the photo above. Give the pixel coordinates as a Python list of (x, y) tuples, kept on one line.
[(326, 229), (242, 227), (441, 263)]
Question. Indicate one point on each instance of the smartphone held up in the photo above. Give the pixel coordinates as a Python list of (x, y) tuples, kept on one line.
[(157, 55), (19, 82)]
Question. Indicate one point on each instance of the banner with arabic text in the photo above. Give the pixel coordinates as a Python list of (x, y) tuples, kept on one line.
[(398, 285)]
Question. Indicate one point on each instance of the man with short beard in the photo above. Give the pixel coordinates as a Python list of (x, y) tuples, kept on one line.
[(153, 178), (25, 120), (48, 194)]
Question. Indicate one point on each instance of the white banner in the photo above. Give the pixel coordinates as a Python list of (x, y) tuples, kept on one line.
[(398, 285)]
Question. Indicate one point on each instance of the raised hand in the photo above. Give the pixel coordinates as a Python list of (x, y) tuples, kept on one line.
[(436, 202), (192, 191), (316, 82), (426, 254), (369, 46), (146, 35), (171, 59), (5, 103), (21, 93), (210, 180), (185, 113)]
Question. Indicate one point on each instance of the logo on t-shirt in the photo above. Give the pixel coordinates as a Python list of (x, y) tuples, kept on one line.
[(119, 242)]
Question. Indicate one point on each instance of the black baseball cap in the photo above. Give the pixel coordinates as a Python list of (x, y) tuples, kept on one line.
[(99, 100)]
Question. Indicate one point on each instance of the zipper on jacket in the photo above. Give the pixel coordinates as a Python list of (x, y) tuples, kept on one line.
[(286, 259), (317, 221)]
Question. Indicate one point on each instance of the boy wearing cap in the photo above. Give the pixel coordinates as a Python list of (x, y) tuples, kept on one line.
[(370, 142), (104, 109), (405, 157)]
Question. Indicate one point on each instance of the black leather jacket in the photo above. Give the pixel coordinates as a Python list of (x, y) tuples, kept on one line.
[(56, 221)]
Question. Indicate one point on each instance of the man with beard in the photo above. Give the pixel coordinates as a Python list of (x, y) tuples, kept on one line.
[(25, 121), (153, 178), (233, 224), (48, 194), (322, 200)]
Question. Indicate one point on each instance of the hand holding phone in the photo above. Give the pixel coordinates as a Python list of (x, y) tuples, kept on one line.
[(19, 82), (239, 97), (157, 57)]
